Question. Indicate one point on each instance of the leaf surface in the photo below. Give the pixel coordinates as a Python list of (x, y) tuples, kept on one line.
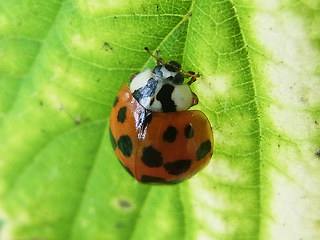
[(61, 66)]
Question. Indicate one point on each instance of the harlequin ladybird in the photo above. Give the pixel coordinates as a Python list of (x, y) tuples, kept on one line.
[(155, 137)]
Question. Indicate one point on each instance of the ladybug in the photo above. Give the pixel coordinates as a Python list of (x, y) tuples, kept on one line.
[(154, 135)]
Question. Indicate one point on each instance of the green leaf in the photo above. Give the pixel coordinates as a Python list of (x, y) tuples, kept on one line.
[(63, 62)]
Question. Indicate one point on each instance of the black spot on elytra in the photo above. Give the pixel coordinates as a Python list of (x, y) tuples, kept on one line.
[(116, 100), (126, 168), (112, 140), (164, 96), (170, 134), (125, 145), (178, 167), (188, 131), (151, 157), (151, 179), (152, 101), (204, 148), (122, 114)]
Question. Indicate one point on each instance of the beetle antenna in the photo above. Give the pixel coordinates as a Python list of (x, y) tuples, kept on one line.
[(160, 61), (192, 75)]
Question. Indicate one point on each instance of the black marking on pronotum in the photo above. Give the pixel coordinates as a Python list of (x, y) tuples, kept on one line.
[(170, 134), (164, 96), (157, 70), (112, 140), (122, 114), (146, 91), (188, 131), (137, 95), (204, 148), (125, 145), (151, 157), (151, 101), (178, 167)]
